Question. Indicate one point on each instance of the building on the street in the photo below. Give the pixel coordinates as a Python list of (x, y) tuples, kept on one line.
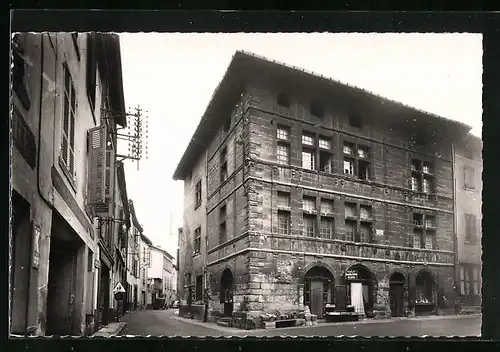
[(161, 277), (133, 259), (302, 191), (468, 167), (144, 265), (57, 250)]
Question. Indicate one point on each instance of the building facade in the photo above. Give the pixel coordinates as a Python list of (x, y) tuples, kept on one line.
[(56, 242), (161, 276), (468, 168), (302, 191)]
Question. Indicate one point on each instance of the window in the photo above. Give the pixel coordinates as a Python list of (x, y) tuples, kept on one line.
[(307, 139), (282, 154), (68, 131), (348, 167), (223, 165), (365, 233), (309, 225), (417, 238), (325, 143), (356, 164), (470, 276), (325, 161), (283, 222), (199, 288), (424, 231), (19, 72), (283, 133), (326, 228), (283, 100), (222, 225), (422, 179), (350, 230), (365, 212), (198, 194), (469, 177), (470, 228), (197, 240), (317, 108), (350, 210), (308, 160), (355, 120), (309, 204), (326, 206), (283, 199)]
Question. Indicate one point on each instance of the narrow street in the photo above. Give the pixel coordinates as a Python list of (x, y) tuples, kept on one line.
[(167, 323)]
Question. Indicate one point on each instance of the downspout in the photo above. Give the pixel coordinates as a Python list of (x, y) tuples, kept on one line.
[(455, 234), (205, 267)]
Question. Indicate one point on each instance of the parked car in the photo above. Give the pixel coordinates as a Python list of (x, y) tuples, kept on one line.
[(175, 304)]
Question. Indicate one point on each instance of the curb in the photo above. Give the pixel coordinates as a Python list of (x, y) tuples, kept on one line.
[(108, 331), (209, 325)]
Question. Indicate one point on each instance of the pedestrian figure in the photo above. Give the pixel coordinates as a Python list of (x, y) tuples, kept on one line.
[(206, 298)]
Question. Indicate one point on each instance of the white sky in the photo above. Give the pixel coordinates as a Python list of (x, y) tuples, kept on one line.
[(173, 76)]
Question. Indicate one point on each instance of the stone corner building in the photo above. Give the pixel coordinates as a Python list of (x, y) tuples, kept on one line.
[(302, 191)]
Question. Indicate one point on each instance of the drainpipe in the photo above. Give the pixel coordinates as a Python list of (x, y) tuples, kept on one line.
[(455, 234), (205, 267)]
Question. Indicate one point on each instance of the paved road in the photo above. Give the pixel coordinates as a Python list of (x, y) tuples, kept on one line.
[(166, 323)]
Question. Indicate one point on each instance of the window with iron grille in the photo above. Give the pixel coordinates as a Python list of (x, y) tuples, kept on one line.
[(197, 240), (198, 194), (309, 225), (309, 203), (470, 228), (282, 154), (283, 222), (283, 133), (68, 128), (326, 228)]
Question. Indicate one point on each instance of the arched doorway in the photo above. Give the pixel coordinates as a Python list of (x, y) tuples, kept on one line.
[(424, 293), (226, 292), (318, 289), (359, 280), (396, 294)]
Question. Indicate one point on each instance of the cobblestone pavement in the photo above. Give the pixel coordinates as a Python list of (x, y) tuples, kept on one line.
[(167, 323)]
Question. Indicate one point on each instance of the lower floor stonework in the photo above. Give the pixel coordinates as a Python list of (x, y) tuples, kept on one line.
[(275, 283)]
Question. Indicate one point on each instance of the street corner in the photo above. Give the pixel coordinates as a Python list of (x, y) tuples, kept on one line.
[(110, 330)]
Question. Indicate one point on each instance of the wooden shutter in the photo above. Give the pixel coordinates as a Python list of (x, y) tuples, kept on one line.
[(109, 173), (97, 139)]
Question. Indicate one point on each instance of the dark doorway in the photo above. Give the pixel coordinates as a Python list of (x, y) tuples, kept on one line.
[(318, 289), (396, 294), (61, 287), (104, 291), (424, 294), (226, 292), (21, 264)]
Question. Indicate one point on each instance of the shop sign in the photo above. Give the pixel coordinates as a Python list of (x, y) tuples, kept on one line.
[(351, 274)]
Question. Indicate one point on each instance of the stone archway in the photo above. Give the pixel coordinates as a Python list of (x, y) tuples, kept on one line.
[(226, 292), (360, 287), (396, 294), (318, 289)]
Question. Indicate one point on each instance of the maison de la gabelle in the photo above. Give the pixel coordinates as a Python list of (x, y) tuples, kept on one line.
[(296, 185)]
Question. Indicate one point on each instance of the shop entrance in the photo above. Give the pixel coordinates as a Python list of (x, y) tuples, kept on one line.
[(318, 289), (396, 294), (226, 292), (360, 288)]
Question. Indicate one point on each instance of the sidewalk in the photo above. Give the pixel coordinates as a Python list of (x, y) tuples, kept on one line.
[(109, 330), (214, 326)]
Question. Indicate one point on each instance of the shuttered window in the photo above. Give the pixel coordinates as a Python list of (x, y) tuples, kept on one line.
[(68, 130), (97, 160)]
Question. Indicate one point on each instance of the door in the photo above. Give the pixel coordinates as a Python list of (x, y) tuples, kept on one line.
[(396, 299), (317, 298)]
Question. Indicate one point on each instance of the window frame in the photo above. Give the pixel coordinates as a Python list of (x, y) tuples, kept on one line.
[(469, 177), (68, 133), (197, 241), (471, 236), (350, 154), (283, 222), (417, 172), (198, 194)]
